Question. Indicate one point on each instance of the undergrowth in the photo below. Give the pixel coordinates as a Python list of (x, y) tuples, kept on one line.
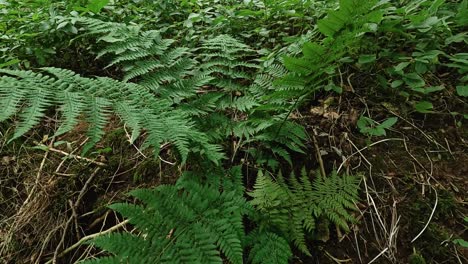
[(218, 88)]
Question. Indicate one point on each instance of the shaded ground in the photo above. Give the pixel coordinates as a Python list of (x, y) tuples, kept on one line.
[(414, 192)]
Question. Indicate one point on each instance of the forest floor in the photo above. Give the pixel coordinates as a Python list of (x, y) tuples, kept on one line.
[(413, 193)]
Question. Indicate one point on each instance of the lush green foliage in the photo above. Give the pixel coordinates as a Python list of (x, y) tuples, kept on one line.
[(431, 31), (97, 98), (185, 223), (294, 208), (219, 81), (193, 222), (37, 31), (321, 60)]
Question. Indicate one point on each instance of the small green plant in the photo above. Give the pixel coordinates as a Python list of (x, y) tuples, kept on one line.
[(460, 241), (370, 127), (416, 258)]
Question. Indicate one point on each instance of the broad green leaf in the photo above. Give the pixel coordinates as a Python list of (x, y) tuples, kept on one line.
[(366, 58), (367, 126), (424, 107), (401, 66), (462, 90), (428, 90), (95, 6), (346, 59), (333, 87), (248, 12), (362, 123), (461, 242), (43, 26), (413, 80), (460, 37), (9, 63), (396, 83), (389, 122), (420, 67), (378, 131), (71, 29)]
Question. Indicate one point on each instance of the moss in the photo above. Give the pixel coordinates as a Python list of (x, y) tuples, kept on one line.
[(148, 168), (446, 205), (431, 240), (116, 139), (416, 258), (322, 231), (417, 212)]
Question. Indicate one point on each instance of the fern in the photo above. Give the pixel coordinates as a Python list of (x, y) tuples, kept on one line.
[(73, 105), (320, 60), (226, 60), (186, 223), (294, 208), (37, 101), (97, 118), (336, 195), (353, 14), (198, 220), (238, 101), (148, 58), (268, 248), (213, 88), (31, 93)]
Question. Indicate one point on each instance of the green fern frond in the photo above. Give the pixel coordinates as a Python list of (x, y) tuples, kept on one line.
[(148, 58), (10, 98), (97, 114), (268, 248), (185, 223), (185, 88), (96, 26), (31, 93), (320, 60), (131, 248), (37, 101), (351, 12), (105, 260), (335, 195), (72, 107), (142, 67), (292, 208), (129, 112)]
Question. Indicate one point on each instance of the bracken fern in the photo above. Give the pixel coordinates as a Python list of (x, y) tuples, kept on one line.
[(184, 223), (292, 209), (32, 93)]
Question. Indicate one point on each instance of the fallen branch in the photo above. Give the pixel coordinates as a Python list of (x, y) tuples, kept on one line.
[(74, 156), (86, 238)]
